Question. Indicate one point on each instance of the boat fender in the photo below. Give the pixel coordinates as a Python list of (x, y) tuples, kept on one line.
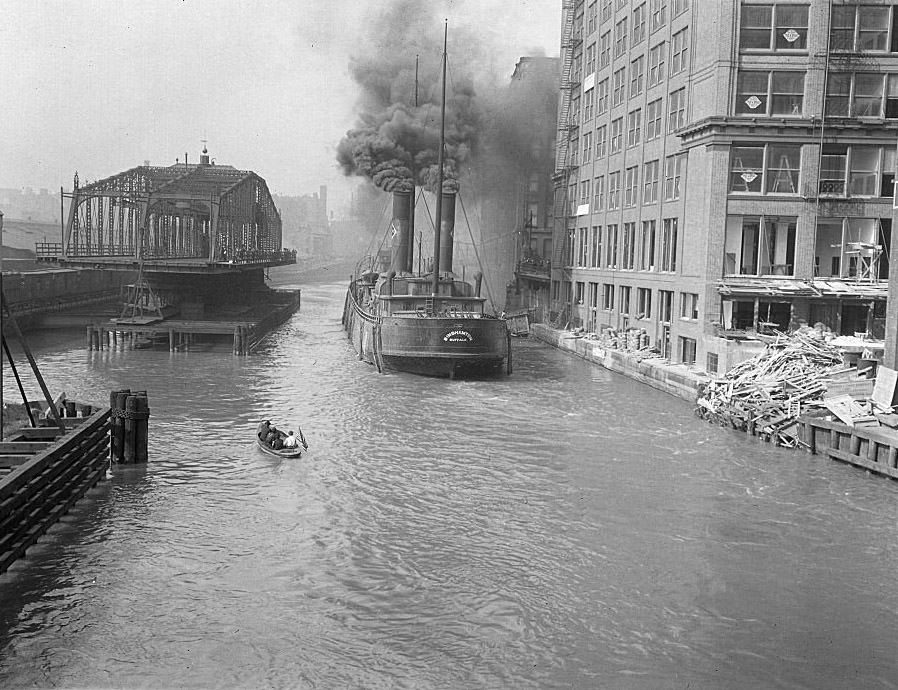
[(478, 278), (389, 286)]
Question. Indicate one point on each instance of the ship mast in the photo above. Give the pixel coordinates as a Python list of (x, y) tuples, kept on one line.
[(439, 209)]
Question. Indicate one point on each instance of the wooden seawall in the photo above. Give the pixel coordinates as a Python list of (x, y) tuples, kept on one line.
[(43, 472), (874, 448)]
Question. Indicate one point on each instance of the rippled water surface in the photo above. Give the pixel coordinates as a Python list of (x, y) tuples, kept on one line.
[(559, 528)]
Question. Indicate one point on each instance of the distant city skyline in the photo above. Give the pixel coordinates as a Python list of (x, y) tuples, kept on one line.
[(104, 88)]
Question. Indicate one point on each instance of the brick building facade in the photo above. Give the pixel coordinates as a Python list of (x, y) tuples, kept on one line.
[(725, 167)]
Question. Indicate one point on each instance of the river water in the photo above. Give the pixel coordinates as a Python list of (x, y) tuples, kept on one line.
[(560, 528)]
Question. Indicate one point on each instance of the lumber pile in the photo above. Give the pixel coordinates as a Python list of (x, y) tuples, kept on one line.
[(766, 394)]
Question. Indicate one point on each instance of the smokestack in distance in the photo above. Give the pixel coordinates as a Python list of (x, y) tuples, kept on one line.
[(447, 231), (399, 255)]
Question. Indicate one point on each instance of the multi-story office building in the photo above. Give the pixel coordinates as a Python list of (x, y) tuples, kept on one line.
[(726, 168)]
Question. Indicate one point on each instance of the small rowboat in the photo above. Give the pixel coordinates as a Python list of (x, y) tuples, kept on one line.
[(294, 452), (283, 452)]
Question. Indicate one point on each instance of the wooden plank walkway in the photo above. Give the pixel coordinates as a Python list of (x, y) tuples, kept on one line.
[(43, 473)]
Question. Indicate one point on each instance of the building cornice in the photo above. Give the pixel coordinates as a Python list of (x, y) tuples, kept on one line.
[(726, 130)]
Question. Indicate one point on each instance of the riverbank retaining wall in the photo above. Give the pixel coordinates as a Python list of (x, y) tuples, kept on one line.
[(675, 379)]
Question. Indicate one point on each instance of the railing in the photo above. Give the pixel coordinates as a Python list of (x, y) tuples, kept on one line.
[(535, 265)]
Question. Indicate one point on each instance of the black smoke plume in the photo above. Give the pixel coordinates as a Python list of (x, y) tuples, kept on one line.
[(395, 142)]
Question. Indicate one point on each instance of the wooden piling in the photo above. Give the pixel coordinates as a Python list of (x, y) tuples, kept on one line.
[(117, 426), (141, 431), (128, 453)]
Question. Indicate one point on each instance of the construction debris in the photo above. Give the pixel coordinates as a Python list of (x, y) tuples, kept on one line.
[(766, 394)]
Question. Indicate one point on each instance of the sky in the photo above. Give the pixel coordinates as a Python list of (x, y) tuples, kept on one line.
[(101, 86)]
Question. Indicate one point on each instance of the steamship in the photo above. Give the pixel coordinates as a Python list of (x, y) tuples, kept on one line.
[(432, 324)]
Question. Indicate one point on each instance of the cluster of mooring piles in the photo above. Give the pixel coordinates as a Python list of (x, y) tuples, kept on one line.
[(765, 395), (130, 415)]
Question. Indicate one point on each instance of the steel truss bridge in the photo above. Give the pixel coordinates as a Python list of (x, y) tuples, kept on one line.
[(184, 218)]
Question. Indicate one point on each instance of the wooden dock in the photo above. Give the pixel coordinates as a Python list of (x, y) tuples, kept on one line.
[(43, 473), (872, 447), (180, 334)]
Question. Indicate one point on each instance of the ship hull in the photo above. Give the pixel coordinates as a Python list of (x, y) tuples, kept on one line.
[(431, 345)]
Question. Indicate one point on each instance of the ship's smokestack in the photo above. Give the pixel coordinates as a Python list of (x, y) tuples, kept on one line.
[(399, 256), (447, 231)]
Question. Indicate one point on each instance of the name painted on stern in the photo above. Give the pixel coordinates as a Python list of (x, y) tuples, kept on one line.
[(458, 337)]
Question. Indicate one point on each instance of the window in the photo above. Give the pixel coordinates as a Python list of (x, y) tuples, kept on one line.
[(853, 247), (628, 248), (591, 16), (588, 102), (679, 49), (643, 303), (634, 127), (613, 190), (687, 350), (653, 115), (607, 10), (631, 186), (590, 59), (637, 72), (676, 110), (678, 7), (770, 93), (647, 248), (601, 141), (572, 198), (638, 24), (605, 50), (582, 247), (768, 169), (862, 28), (658, 12), (575, 151), (656, 63), (624, 304), (587, 147), (774, 27), (607, 296), (862, 94), (617, 134), (585, 190), (618, 86), (673, 167), (688, 305), (599, 193), (611, 258), (620, 37), (595, 255), (857, 170), (650, 182), (669, 244), (760, 245), (602, 97), (665, 305)]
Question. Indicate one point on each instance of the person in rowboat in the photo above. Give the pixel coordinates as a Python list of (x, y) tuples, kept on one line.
[(290, 441)]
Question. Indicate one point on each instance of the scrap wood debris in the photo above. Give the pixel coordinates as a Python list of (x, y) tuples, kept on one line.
[(767, 393)]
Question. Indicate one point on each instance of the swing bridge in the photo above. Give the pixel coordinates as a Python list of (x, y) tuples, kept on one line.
[(196, 239), (184, 218)]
